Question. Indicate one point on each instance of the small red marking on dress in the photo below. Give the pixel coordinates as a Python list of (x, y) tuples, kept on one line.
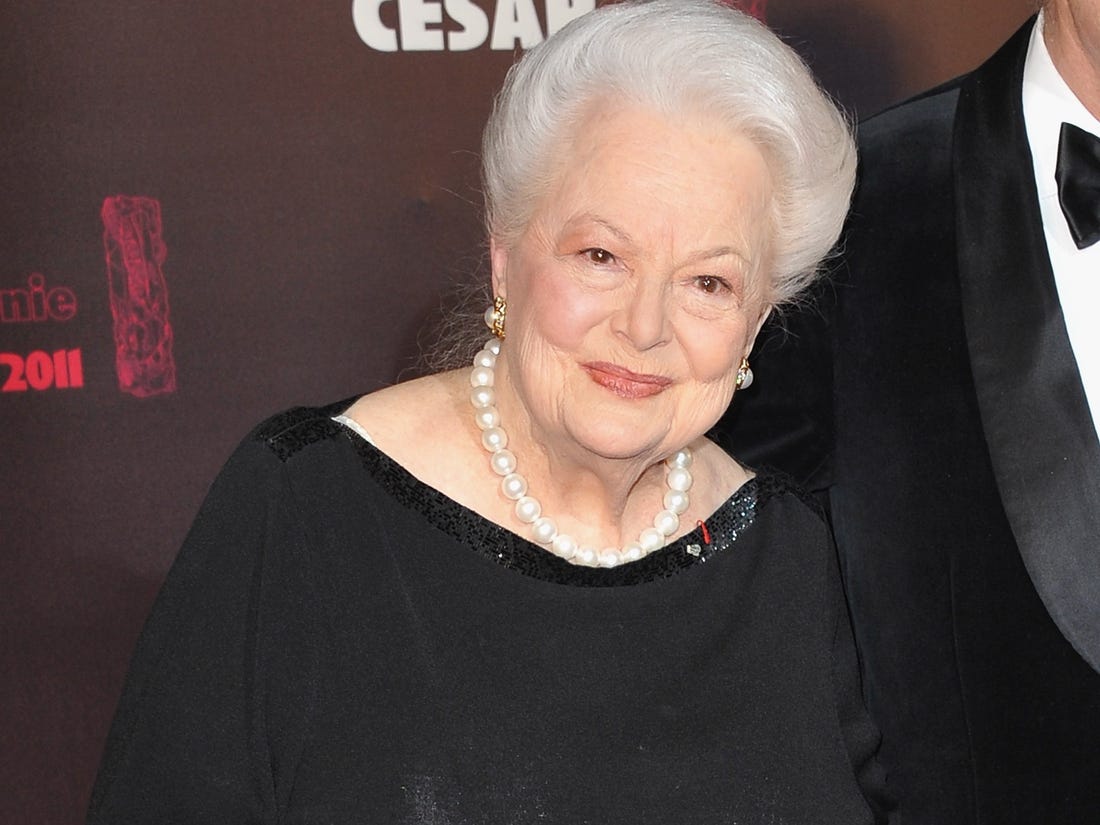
[(706, 532)]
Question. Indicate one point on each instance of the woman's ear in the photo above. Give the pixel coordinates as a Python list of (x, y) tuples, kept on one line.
[(498, 259), (764, 314)]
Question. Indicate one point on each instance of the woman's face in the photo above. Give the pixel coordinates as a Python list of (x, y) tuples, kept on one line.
[(638, 284)]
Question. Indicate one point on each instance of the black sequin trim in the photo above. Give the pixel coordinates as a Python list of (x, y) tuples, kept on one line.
[(297, 428), (510, 550), (289, 432)]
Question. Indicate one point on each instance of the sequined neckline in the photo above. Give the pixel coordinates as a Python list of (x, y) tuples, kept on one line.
[(724, 527)]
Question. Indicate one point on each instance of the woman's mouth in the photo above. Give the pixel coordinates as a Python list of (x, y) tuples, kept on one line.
[(624, 382)]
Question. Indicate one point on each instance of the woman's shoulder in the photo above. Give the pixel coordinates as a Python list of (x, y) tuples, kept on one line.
[(410, 409), (425, 426), (776, 486), (288, 432), (772, 518), (762, 485), (279, 449), (394, 414)]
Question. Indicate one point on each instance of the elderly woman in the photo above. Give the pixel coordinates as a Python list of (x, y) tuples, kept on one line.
[(531, 589)]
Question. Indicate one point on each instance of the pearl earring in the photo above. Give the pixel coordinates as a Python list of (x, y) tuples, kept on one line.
[(744, 375), (494, 316)]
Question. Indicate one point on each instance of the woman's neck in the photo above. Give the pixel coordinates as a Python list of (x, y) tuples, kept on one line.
[(593, 497)]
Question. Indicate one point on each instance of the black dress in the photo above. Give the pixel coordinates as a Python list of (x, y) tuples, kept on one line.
[(338, 642)]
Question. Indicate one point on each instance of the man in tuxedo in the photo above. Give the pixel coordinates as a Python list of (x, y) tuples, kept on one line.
[(945, 392)]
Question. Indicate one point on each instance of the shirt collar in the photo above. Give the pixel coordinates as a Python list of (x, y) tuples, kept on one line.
[(1048, 102)]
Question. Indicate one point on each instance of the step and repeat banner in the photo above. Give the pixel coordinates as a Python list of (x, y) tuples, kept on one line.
[(213, 211)]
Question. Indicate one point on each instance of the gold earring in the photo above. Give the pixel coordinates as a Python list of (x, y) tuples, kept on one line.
[(744, 375), (494, 316)]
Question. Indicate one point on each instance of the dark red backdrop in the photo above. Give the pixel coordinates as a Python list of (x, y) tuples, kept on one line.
[(315, 195)]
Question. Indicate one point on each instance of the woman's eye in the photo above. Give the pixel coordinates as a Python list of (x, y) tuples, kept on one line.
[(599, 256), (710, 284)]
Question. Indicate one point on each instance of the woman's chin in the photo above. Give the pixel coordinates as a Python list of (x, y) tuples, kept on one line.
[(621, 439)]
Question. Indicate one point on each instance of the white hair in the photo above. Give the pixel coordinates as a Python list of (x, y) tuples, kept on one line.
[(677, 57)]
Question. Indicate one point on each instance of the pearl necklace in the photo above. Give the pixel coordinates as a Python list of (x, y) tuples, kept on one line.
[(528, 509)]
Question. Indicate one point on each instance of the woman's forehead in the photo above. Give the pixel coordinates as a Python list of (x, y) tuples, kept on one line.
[(635, 167)]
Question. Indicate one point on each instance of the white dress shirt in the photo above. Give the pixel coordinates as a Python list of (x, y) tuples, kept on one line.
[(1048, 102)]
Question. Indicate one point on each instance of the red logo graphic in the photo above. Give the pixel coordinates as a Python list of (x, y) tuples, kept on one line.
[(139, 295), (757, 8)]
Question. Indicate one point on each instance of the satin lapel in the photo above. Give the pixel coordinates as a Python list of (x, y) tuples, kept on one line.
[(1043, 447)]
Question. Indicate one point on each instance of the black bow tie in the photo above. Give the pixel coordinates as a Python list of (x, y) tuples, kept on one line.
[(1078, 176)]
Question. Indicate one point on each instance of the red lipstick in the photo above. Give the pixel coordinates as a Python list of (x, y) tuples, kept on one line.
[(624, 382)]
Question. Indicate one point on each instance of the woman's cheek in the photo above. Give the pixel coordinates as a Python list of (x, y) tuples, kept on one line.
[(563, 311), (714, 354)]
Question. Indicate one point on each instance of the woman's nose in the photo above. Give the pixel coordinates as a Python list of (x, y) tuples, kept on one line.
[(644, 319)]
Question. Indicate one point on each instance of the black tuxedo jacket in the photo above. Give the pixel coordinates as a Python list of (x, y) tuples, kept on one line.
[(933, 392)]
